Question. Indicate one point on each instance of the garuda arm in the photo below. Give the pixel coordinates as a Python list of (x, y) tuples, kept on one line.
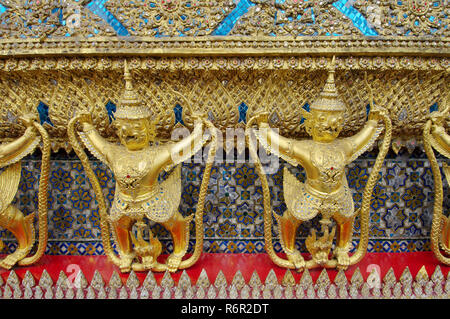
[(359, 143), (292, 151), (176, 153)]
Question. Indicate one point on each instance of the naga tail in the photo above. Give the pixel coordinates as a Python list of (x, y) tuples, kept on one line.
[(367, 195), (42, 198), (104, 225), (266, 201), (436, 225), (201, 200)]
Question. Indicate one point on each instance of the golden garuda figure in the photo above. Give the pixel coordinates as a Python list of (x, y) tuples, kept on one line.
[(11, 218), (326, 191), (434, 136), (136, 164)]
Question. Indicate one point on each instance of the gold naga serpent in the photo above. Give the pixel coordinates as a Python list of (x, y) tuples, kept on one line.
[(364, 210), (438, 215), (104, 224), (42, 200)]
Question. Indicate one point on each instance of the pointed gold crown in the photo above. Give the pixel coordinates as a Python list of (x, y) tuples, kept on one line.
[(130, 106), (328, 99)]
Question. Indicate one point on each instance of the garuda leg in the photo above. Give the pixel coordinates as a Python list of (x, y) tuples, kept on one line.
[(178, 226), (122, 229), (288, 225), (22, 228), (343, 240)]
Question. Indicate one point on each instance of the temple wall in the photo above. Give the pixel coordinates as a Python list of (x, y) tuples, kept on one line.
[(228, 61)]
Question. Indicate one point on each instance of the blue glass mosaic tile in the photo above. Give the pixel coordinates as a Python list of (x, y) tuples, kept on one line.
[(230, 20), (97, 7), (357, 18), (42, 109)]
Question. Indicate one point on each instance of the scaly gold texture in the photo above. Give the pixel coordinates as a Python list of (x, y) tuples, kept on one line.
[(434, 136), (63, 90), (11, 218)]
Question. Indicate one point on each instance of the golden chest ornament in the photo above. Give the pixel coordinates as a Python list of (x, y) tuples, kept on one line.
[(307, 201), (130, 168), (329, 160), (158, 203)]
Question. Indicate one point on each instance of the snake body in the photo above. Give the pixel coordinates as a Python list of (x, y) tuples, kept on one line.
[(438, 198), (104, 224), (42, 198)]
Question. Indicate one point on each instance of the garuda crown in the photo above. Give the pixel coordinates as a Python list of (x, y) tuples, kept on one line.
[(328, 99), (130, 105)]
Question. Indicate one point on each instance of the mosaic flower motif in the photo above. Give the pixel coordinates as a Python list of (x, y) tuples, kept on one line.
[(278, 178), (245, 232), (427, 178), (395, 197), (81, 219), (53, 250), (60, 179), (62, 219), (227, 230), (211, 213), (80, 198), (395, 247), (110, 196), (245, 176), (250, 247), (83, 233), (27, 180), (411, 246), (413, 231), (227, 195), (396, 176), (394, 218), (190, 194), (61, 199), (209, 232), (102, 176), (79, 179), (357, 177), (245, 214), (90, 250), (227, 212), (379, 197), (72, 249), (415, 164), (414, 177), (413, 197), (214, 247), (94, 218)]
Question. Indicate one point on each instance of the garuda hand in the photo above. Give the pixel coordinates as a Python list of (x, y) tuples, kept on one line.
[(28, 119)]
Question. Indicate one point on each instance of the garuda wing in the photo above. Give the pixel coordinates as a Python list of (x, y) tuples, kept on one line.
[(368, 145), (16, 157), (438, 147), (166, 198), (291, 188), (91, 148), (9, 183)]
